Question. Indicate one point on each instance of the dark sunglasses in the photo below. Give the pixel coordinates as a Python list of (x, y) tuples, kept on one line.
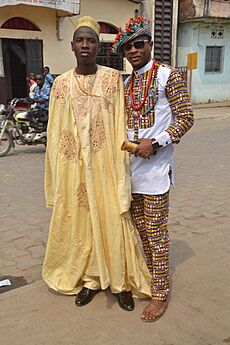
[(137, 45)]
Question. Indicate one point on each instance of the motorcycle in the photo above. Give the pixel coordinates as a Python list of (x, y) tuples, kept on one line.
[(23, 124)]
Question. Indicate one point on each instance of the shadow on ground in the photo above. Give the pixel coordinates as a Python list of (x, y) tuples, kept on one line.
[(179, 253), (16, 282)]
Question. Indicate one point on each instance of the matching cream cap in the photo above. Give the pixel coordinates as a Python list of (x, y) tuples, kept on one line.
[(89, 22)]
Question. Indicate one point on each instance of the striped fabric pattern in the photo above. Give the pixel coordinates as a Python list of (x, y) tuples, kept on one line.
[(178, 98), (138, 119), (150, 216)]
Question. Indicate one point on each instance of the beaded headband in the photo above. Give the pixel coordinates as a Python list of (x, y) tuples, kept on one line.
[(134, 28)]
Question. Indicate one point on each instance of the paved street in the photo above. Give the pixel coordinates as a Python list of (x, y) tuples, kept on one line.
[(24, 218), (199, 311)]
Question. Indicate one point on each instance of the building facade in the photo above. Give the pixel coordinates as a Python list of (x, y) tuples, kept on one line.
[(204, 28), (37, 33)]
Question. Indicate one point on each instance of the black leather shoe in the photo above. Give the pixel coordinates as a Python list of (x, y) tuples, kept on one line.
[(85, 296), (125, 300)]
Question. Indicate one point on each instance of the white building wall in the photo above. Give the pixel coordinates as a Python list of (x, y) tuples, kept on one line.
[(195, 37), (57, 54)]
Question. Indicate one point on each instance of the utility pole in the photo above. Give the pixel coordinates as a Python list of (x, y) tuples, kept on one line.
[(147, 10), (207, 8)]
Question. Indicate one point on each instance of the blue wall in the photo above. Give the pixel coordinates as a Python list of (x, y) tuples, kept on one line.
[(195, 37)]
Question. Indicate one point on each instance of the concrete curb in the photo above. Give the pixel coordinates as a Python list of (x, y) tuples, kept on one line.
[(211, 105)]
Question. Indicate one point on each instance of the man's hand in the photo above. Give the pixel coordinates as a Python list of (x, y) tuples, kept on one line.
[(29, 100), (40, 101), (24, 100), (145, 148)]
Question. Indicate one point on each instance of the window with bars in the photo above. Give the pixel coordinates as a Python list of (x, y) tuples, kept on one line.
[(214, 59), (106, 58)]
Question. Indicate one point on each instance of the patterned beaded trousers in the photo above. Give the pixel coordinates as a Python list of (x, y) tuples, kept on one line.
[(150, 215)]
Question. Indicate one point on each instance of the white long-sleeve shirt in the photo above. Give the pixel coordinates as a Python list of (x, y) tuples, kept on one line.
[(172, 119)]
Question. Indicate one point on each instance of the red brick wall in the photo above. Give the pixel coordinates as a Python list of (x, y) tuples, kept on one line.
[(187, 9)]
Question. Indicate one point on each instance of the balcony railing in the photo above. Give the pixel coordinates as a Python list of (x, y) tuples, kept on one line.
[(71, 6)]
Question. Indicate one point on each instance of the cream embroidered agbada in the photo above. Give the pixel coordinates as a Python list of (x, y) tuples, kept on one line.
[(92, 241)]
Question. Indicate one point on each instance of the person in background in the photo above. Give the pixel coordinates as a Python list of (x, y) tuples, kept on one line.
[(48, 77), (41, 98), (41, 92), (158, 115), (31, 84)]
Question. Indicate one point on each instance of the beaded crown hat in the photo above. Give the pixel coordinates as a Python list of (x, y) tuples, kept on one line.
[(134, 28)]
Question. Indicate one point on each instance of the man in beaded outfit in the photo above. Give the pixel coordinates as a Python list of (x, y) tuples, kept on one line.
[(159, 114), (92, 242)]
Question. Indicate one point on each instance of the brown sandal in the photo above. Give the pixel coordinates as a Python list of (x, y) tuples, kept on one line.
[(157, 310)]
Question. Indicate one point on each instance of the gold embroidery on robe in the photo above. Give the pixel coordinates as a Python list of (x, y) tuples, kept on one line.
[(82, 196), (68, 147), (97, 133), (60, 89), (109, 84)]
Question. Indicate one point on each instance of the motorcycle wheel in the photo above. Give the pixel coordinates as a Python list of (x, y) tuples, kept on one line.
[(6, 143)]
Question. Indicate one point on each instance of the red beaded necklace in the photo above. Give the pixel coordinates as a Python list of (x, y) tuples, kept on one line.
[(138, 107)]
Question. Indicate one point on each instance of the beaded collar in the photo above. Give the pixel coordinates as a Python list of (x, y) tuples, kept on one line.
[(144, 117), (140, 105)]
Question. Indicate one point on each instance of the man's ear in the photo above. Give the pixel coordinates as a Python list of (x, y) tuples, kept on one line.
[(71, 45), (122, 54)]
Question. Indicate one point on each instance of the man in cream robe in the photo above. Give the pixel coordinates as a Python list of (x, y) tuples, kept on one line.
[(92, 243)]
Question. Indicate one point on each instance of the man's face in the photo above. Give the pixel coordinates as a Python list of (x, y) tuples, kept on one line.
[(85, 45), (39, 80), (45, 70), (138, 51)]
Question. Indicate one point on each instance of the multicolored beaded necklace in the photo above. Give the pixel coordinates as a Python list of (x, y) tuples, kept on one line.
[(142, 115), (138, 107)]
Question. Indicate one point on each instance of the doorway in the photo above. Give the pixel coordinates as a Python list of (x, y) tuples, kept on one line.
[(17, 61), (20, 57)]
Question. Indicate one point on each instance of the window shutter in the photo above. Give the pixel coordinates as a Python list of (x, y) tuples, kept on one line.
[(163, 30)]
